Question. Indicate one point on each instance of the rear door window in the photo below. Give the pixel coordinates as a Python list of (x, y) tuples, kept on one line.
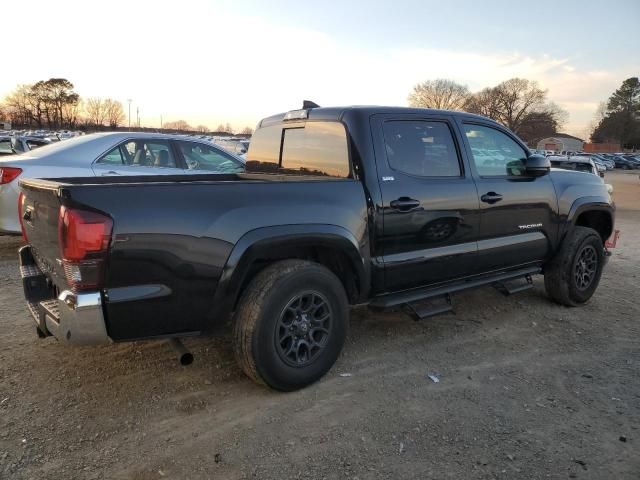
[(113, 157), (141, 153), (421, 148)]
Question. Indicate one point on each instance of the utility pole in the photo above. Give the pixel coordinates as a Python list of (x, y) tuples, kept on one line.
[(138, 116), (129, 100)]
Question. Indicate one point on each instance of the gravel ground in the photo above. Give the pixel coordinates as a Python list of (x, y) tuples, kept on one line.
[(527, 389)]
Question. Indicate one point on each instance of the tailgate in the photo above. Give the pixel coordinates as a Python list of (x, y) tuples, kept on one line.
[(40, 210)]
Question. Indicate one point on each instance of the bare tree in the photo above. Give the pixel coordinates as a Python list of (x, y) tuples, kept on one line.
[(178, 125), (220, 128), (202, 128), (486, 102), (247, 131), (56, 94), (36, 103), (517, 98), (114, 113), (228, 128), (442, 94), (43, 103), (95, 111), (513, 103), (598, 116), (17, 106), (71, 114)]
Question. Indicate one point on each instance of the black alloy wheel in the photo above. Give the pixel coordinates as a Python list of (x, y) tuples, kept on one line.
[(303, 329), (585, 268)]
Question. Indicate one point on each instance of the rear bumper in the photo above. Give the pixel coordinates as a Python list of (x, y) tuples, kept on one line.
[(73, 318)]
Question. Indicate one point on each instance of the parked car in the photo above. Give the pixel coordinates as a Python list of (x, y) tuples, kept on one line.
[(601, 167), (5, 146), (15, 145), (576, 163), (238, 147), (624, 163), (632, 158), (109, 154), (385, 206), (604, 160)]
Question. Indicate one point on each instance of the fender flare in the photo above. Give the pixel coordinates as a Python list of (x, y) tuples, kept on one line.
[(584, 204), (256, 243)]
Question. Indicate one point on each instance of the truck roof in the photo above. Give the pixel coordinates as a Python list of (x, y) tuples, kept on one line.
[(337, 113)]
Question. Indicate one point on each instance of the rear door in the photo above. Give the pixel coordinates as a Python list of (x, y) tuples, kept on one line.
[(430, 202), (518, 221), (139, 157)]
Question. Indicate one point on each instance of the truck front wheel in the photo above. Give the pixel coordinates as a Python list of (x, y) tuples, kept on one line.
[(572, 277), (290, 324)]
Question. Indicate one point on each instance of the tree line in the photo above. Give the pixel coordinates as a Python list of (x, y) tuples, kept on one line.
[(519, 104), (183, 125), (54, 105)]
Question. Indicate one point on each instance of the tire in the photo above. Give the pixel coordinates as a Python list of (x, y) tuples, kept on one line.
[(281, 336), (571, 278)]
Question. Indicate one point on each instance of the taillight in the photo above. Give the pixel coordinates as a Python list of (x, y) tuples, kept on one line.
[(20, 215), (9, 174), (84, 239)]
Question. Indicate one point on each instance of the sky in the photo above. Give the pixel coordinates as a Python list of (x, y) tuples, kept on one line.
[(210, 62)]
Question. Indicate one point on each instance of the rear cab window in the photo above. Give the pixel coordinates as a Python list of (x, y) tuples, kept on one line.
[(314, 148)]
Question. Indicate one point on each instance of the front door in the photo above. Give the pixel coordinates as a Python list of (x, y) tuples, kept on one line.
[(518, 221), (430, 202)]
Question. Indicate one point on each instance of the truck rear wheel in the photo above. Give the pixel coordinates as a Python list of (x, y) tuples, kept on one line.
[(290, 324), (572, 277)]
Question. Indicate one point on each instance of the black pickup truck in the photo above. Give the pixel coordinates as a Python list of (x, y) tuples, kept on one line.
[(390, 207)]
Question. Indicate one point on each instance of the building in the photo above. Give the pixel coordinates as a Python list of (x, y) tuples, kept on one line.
[(5, 125), (561, 142), (602, 147)]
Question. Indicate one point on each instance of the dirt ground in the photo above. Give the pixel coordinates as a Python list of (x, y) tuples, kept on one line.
[(527, 390)]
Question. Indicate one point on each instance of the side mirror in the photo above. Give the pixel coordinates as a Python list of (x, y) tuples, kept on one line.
[(537, 166)]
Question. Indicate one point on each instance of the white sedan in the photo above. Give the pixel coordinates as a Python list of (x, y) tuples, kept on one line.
[(112, 153)]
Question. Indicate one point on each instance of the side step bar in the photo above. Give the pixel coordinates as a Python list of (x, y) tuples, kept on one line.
[(430, 307), (509, 287), (412, 298)]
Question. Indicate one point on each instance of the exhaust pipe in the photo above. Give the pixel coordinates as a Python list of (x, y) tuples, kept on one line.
[(185, 357)]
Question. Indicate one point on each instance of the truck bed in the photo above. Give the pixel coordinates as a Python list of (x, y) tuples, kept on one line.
[(173, 235)]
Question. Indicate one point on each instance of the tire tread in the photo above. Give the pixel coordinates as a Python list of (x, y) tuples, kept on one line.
[(557, 272)]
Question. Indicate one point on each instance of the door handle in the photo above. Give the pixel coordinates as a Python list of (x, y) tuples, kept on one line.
[(110, 172), (491, 197), (404, 204)]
